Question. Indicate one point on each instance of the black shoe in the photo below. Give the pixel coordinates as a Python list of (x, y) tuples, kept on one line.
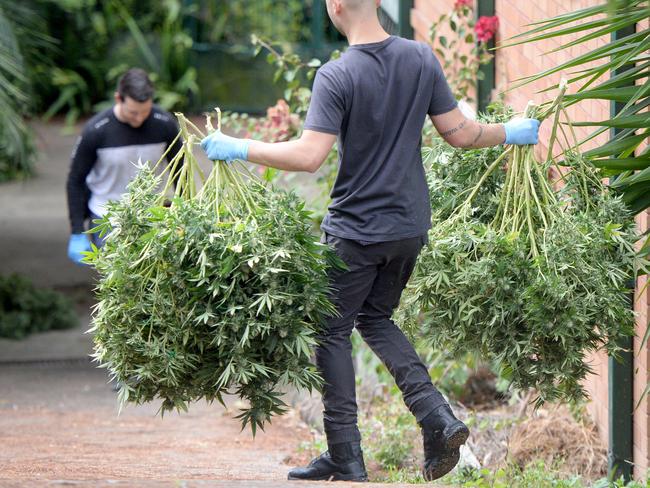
[(442, 435), (342, 462)]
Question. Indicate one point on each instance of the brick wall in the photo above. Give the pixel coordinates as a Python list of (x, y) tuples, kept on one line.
[(641, 439), (423, 15), (524, 60)]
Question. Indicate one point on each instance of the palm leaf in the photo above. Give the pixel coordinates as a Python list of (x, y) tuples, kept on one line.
[(626, 59), (16, 143), (574, 16), (631, 122), (616, 165), (622, 94), (618, 146), (614, 49)]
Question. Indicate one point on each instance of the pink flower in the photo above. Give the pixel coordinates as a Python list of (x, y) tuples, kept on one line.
[(486, 27), (463, 3), (278, 125)]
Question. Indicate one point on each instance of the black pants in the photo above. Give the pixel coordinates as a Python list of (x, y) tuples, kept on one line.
[(365, 296)]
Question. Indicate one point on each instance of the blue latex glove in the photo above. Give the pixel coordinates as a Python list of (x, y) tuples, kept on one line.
[(78, 243), (221, 147), (522, 131)]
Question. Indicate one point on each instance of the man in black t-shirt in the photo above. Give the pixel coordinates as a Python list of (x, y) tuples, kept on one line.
[(375, 99), (105, 155)]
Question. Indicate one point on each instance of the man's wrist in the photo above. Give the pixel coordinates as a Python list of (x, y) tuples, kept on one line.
[(508, 136), (245, 146)]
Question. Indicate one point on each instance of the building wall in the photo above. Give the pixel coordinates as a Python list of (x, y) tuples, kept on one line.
[(642, 352), (641, 439), (513, 63)]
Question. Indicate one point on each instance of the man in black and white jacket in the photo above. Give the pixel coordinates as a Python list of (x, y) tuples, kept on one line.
[(104, 157)]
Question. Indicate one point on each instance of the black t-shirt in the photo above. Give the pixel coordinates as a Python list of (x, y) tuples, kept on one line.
[(375, 97), (104, 155)]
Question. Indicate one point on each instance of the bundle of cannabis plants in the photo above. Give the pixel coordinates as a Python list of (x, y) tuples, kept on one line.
[(223, 291), (539, 284)]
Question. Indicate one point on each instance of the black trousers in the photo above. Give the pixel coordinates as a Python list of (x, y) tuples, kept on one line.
[(366, 295)]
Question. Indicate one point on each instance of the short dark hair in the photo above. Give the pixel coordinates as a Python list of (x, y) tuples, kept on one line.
[(135, 83)]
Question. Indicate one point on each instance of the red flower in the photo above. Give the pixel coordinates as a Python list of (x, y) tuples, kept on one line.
[(463, 3), (486, 27), (279, 125)]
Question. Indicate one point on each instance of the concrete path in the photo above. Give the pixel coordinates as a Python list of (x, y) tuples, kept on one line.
[(59, 421), (34, 227)]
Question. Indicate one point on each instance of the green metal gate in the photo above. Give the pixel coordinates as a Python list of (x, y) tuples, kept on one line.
[(395, 17)]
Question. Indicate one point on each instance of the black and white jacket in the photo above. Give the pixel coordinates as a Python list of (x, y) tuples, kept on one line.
[(104, 157)]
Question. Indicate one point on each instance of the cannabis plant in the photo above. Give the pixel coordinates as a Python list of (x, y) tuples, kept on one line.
[(223, 291), (540, 284)]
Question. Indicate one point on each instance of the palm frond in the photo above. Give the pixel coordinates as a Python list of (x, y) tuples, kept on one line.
[(21, 39), (625, 59)]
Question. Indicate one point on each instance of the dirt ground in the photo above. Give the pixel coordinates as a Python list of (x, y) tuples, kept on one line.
[(59, 424), (59, 420)]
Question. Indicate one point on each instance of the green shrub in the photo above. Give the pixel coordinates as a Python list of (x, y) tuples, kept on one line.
[(25, 309), (535, 475)]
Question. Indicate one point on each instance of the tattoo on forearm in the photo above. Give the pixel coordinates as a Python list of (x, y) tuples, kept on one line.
[(454, 130), (478, 136)]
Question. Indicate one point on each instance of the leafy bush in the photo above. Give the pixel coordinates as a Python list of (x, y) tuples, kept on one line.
[(233, 21), (117, 34), (25, 309), (390, 434), (536, 475)]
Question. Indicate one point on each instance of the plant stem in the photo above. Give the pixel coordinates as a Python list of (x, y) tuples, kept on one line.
[(529, 218), (487, 173), (167, 151)]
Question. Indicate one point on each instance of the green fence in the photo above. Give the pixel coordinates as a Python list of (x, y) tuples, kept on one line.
[(395, 17), (228, 73)]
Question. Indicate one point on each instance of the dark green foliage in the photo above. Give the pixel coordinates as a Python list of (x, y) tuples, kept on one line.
[(224, 291), (232, 22), (22, 45), (25, 309), (98, 40), (17, 149)]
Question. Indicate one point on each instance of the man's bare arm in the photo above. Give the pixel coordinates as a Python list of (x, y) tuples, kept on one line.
[(459, 131), (304, 154)]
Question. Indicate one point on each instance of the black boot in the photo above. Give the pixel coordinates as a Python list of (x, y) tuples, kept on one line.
[(342, 462), (442, 435)]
